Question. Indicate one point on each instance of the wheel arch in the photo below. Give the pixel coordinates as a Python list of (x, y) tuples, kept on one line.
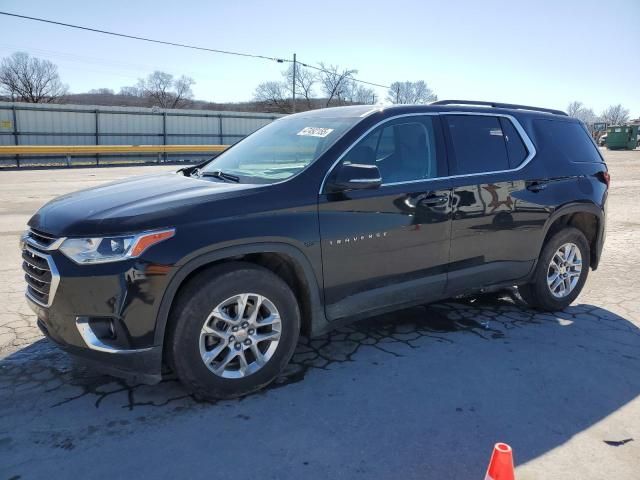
[(586, 217), (297, 271)]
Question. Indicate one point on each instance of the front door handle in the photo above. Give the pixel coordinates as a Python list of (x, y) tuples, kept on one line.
[(434, 201)]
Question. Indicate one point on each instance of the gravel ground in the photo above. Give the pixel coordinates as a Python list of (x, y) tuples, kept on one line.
[(421, 393)]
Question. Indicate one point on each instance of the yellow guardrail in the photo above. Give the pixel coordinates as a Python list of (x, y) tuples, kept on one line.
[(105, 149)]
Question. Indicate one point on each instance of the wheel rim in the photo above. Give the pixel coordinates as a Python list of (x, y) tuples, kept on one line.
[(564, 270), (240, 335)]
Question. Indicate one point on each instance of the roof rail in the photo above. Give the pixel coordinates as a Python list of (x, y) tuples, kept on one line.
[(498, 105)]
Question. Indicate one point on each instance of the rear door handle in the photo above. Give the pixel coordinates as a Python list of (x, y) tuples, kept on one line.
[(434, 200), (536, 186)]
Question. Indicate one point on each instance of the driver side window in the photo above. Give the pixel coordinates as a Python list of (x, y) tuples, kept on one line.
[(403, 150)]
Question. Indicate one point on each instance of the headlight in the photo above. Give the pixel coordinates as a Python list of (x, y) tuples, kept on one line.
[(112, 249)]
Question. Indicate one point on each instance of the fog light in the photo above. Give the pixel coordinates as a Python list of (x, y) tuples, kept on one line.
[(103, 328), (104, 334)]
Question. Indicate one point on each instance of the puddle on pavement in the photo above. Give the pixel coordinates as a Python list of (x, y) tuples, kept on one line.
[(405, 326)]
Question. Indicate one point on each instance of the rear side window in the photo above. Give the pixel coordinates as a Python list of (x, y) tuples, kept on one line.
[(478, 144), (566, 140), (516, 150)]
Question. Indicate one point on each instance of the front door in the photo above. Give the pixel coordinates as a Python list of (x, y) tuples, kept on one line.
[(386, 247)]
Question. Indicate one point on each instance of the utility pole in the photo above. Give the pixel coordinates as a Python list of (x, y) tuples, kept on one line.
[(293, 87)]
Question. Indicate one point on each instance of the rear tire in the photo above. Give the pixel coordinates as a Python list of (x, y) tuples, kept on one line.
[(238, 313), (561, 271)]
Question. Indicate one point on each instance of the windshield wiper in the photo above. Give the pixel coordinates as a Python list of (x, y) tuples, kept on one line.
[(221, 175), (194, 170)]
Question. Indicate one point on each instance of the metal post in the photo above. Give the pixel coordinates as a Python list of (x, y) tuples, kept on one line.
[(15, 133), (293, 87), (164, 133), (97, 112), (220, 129)]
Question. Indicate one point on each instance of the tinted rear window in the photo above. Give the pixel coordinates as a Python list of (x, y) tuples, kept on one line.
[(478, 144), (566, 140)]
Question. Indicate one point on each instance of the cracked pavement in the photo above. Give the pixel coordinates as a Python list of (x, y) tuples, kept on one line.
[(420, 393)]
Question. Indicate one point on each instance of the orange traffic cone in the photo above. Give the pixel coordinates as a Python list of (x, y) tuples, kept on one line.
[(501, 463)]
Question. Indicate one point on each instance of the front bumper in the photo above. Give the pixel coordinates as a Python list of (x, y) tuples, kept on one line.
[(106, 314)]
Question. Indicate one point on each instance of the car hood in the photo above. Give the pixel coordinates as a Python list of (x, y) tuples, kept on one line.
[(139, 203)]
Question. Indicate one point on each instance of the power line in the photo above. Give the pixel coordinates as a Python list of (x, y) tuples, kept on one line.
[(182, 45), (352, 79), (144, 39)]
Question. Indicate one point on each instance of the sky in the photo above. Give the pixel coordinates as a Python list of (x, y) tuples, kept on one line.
[(543, 53)]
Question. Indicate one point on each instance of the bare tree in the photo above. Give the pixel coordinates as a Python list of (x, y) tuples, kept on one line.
[(30, 79), (163, 91), (102, 91), (305, 80), (587, 116), (410, 93), (335, 82), (581, 112), (183, 92), (574, 108), (273, 94), (359, 94), (129, 91), (615, 115)]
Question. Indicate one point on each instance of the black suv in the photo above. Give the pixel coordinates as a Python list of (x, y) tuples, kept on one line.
[(324, 216)]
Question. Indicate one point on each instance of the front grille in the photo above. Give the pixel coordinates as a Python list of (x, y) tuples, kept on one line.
[(41, 239), (39, 270)]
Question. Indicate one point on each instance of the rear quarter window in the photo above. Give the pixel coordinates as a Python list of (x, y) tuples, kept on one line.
[(566, 140)]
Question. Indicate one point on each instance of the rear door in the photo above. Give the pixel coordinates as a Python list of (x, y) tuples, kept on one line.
[(490, 226), (389, 246)]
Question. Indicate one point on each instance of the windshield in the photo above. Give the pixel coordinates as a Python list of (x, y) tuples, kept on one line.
[(280, 149)]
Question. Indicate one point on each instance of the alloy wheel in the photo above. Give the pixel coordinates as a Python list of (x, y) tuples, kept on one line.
[(240, 335), (564, 270)]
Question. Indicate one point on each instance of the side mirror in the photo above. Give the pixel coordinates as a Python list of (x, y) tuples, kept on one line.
[(356, 176)]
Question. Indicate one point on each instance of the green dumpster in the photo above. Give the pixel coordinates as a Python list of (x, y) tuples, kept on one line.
[(622, 137)]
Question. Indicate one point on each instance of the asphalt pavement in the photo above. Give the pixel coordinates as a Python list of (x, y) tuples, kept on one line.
[(421, 393)]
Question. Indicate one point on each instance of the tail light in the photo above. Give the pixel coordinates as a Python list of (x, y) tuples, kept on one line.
[(604, 177)]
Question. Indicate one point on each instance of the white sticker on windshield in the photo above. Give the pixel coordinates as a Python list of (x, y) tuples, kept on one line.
[(315, 132)]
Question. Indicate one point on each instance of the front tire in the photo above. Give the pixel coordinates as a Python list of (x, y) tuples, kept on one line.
[(560, 273), (234, 328)]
